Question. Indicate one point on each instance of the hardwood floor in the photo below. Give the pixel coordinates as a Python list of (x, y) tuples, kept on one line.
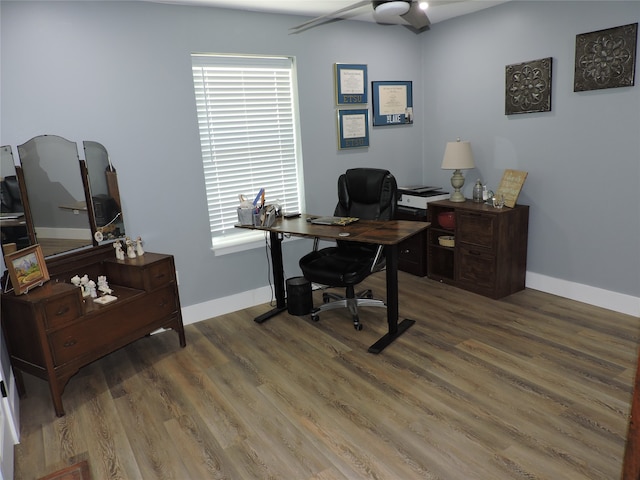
[(530, 387)]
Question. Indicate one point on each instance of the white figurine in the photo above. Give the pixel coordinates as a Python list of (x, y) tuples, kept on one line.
[(103, 286), (75, 280), (119, 253), (139, 249), (131, 252), (91, 287), (84, 284)]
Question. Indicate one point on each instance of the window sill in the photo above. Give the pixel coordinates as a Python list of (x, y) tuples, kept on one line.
[(242, 242)]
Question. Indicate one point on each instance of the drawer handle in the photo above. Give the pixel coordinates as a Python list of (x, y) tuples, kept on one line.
[(62, 311), (70, 343), (405, 251), (160, 275), (473, 252)]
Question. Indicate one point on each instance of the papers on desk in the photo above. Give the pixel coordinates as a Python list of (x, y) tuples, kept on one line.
[(341, 221)]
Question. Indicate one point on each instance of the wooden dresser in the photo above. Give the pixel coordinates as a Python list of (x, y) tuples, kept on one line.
[(53, 331), (490, 252)]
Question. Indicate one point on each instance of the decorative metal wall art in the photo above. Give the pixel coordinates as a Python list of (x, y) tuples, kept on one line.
[(528, 87), (606, 58)]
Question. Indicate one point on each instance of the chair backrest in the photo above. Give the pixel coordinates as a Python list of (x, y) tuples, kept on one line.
[(367, 193)]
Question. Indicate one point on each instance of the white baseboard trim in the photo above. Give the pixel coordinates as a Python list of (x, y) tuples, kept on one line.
[(598, 297), (618, 302), (222, 306)]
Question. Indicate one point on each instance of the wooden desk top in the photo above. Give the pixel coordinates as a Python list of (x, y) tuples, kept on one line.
[(380, 232)]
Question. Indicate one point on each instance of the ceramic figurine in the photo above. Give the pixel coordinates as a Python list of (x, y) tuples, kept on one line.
[(76, 280), (103, 286), (119, 253), (91, 287), (131, 252), (139, 249), (84, 282)]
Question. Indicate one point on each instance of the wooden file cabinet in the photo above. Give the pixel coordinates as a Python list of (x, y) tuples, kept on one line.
[(490, 252), (53, 331)]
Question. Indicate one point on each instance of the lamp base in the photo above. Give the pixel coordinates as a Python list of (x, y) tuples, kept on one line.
[(457, 182), (457, 196)]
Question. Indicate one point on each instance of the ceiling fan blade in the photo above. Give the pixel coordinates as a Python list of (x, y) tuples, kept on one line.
[(417, 18), (329, 17)]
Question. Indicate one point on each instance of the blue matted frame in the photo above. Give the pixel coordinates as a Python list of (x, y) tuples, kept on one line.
[(350, 84), (392, 103), (353, 128)]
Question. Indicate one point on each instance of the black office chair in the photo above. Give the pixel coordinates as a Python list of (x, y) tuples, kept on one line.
[(369, 194)]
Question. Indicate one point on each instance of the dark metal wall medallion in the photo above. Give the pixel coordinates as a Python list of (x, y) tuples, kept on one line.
[(606, 58), (528, 87)]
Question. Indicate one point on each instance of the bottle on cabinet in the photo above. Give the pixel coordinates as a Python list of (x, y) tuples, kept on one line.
[(477, 192)]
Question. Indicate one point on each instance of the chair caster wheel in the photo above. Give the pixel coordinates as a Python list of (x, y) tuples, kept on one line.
[(315, 317), (358, 326), (325, 298)]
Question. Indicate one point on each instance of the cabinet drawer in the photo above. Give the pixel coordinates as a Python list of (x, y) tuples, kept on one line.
[(147, 277), (476, 229), (62, 309), (476, 268), (113, 328)]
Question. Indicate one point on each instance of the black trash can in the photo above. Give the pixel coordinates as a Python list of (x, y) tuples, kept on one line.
[(299, 300)]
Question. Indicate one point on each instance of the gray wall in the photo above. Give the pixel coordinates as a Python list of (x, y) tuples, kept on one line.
[(583, 157), (119, 73)]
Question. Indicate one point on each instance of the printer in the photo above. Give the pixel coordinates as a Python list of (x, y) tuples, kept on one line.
[(420, 196)]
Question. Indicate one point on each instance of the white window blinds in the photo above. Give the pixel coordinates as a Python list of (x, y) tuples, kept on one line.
[(247, 120)]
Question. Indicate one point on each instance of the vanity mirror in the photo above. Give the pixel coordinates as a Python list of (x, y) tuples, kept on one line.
[(55, 197), (13, 228), (105, 196)]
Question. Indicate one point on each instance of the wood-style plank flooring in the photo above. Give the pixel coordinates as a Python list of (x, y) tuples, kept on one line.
[(530, 387)]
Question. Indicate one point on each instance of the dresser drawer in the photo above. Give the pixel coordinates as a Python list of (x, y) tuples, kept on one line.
[(476, 229), (148, 276), (110, 329), (63, 308)]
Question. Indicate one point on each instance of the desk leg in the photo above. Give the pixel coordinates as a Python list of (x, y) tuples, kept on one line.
[(278, 278), (395, 329)]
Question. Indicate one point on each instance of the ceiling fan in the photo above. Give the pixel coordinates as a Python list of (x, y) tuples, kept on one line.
[(413, 12)]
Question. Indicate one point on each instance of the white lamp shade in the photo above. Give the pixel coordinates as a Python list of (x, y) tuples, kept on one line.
[(390, 9), (457, 155)]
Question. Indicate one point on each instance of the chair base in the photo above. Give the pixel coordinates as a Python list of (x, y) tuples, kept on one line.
[(331, 301)]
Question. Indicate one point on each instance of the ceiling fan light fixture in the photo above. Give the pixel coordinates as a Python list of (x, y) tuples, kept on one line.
[(392, 8), (423, 5)]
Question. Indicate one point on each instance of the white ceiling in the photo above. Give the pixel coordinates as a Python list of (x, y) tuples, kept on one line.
[(439, 10)]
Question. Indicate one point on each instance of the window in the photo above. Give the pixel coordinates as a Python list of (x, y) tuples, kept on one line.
[(247, 116)]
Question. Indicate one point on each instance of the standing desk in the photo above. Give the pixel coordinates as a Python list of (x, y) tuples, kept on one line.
[(388, 233)]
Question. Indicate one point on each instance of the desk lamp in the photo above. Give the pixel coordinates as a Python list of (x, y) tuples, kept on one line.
[(457, 156)]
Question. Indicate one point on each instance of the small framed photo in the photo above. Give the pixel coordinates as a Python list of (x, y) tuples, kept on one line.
[(27, 269), (353, 128), (351, 84), (392, 103)]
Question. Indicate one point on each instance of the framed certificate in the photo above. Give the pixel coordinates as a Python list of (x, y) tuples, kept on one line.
[(353, 128), (392, 103), (351, 84)]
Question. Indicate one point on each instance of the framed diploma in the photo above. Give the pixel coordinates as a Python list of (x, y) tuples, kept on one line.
[(392, 103), (351, 84), (353, 128)]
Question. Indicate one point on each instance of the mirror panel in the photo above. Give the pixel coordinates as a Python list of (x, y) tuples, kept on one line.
[(13, 228), (103, 185), (56, 194)]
